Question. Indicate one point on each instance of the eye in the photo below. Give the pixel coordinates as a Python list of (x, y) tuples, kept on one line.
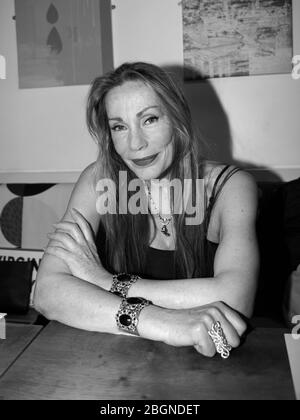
[(118, 127), (151, 120)]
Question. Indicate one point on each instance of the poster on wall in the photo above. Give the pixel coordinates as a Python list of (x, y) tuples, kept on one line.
[(61, 43), (224, 38)]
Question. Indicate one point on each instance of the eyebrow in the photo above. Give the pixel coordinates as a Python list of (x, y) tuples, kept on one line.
[(139, 114)]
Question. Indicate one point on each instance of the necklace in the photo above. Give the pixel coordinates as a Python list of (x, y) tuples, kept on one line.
[(164, 220)]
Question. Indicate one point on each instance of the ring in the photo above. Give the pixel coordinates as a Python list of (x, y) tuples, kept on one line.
[(217, 334)]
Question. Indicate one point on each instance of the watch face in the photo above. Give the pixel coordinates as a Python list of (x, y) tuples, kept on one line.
[(134, 300), (123, 277)]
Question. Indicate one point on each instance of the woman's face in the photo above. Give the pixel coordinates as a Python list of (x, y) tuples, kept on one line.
[(140, 129)]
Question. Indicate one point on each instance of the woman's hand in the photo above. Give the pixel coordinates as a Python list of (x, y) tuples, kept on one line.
[(189, 327), (73, 242)]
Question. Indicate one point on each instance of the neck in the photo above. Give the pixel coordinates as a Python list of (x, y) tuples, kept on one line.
[(157, 184), (159, 197)]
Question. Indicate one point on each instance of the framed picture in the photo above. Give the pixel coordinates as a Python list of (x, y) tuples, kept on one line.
[(62, 43), (225, 38)]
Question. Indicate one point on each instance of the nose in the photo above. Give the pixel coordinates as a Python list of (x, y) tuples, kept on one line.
[(137, 140)]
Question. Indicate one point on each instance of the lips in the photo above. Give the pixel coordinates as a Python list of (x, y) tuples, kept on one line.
[(145, 161)]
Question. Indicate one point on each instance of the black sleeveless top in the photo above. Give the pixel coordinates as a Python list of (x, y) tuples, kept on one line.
[(160, 264)]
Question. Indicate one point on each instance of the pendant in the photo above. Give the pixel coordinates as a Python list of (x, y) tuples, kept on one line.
[(165, 231)]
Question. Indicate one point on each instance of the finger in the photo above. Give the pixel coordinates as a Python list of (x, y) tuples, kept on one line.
[(233, 317), (59, 244), (58, 251), (54, 242), (199, 348), (229, 330), (72, 229), (64, 238), (205, 345), (63, 227), (83, 224)]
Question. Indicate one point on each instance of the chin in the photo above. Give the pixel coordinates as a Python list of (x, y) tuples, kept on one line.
[(148, 173)]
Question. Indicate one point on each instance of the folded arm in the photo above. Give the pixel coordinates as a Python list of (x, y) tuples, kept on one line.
[(75, 291), (235, 264)]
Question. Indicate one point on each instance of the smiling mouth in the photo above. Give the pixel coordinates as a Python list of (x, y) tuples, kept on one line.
[(145, 161)]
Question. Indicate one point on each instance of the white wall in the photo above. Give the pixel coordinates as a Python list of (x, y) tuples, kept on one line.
[(253, 119)]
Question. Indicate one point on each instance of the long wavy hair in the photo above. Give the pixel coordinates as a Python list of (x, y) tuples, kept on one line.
[(127, 236)]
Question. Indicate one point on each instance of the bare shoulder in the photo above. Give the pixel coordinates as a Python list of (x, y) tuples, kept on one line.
[(211, 170), (240, 180), (86, 180), (83, 197), (238, 198), (240, 185)]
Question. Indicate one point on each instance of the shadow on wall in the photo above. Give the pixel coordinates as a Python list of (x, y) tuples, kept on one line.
[(211, 121)]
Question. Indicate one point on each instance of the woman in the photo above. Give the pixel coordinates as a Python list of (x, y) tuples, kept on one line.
[(142, 125)]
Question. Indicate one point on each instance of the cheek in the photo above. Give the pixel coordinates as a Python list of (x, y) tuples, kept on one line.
[(168, 136), (119, 145), (169, 141)]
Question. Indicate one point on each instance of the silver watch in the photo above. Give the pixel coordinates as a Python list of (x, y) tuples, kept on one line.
[(127, 317), (121, 283)]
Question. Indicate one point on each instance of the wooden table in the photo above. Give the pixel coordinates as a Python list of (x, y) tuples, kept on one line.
[(67, 363), (18, 337)]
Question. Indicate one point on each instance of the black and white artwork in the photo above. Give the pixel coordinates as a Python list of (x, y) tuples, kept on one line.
[(223, 38)]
